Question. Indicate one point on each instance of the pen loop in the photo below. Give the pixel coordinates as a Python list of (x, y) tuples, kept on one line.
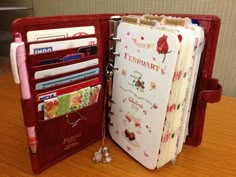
[(73, 124)]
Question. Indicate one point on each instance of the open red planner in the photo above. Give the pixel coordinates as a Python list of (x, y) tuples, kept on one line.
[(146, 77)]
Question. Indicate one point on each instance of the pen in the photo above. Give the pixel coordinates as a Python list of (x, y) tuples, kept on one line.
[(24, 84), (21, 67), (32, 139)]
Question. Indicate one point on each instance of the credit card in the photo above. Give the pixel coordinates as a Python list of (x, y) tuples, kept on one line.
[(88, 50), (76, 100), (60, 91), (66, 79), (46, 47), (65, 58), (63, 69), (49, 61), (40, 106), (73, 56), (40, 35)]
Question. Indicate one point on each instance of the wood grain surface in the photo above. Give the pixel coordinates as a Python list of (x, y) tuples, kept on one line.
[(215, 157)]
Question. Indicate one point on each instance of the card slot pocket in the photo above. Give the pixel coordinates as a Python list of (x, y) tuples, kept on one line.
[(57, 138), (27, 44), (75, 98), (65, 78), (39, 107), (56, 26), (40, 114), (70, 102), (41, 96), (35, 92), (84, 112), (36, 48), (50, 58), (64, 63), (73, 73)]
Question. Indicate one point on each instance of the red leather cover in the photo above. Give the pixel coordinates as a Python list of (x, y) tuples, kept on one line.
[(208, 90), (52, 133), (56, 139)]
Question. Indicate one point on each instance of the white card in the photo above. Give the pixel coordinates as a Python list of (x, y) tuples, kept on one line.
[(40, 48), (40, 35), (64, 69)]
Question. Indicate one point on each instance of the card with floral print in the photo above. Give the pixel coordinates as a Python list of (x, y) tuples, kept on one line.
[(72, 101)]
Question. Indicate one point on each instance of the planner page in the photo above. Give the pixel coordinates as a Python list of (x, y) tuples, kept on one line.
[(143, 74), (198, 49), (177, 97)]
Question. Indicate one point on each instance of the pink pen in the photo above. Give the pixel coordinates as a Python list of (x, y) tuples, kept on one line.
[(32, 139), (19, 69), (21, 66)]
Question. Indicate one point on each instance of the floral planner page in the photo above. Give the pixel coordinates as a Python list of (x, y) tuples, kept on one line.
[(141, 88)]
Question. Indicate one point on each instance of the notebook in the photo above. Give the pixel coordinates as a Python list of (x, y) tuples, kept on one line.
[(150, 86), (145, 77)]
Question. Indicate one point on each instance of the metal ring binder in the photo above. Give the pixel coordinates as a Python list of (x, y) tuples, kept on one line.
[(112, 51), (110, 123), (116, 39), (111, 113), (109, 69), (113, 24), (111, 101), (115, 54)]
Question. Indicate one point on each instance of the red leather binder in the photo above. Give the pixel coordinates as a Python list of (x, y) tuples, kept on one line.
[(51, 140)]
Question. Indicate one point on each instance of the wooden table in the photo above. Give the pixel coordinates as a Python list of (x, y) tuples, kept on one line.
[(215, 157)]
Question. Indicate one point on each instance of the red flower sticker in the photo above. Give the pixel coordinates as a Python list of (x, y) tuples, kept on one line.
[(162, 46)]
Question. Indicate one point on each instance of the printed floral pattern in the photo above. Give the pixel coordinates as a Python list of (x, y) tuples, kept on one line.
[(51, 108), (153, 85), (137, 81), (162, 46), (69, 102)]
